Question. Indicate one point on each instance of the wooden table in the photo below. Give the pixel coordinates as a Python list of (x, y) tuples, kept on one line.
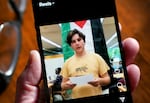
[(134, 17)]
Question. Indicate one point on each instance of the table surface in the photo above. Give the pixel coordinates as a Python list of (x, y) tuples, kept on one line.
[(134, 17)]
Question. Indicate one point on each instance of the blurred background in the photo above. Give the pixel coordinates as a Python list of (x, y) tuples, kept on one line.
[(133, 16)]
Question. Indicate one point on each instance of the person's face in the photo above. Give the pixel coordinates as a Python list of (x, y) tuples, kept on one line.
[(77, 43)]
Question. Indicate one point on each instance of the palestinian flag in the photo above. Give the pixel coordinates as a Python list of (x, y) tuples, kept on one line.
[(83, 26), (93, 31)]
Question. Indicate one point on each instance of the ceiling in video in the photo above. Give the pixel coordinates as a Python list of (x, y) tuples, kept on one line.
[(101, 38)]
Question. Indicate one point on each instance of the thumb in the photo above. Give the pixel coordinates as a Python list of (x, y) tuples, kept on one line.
[(28, 81)]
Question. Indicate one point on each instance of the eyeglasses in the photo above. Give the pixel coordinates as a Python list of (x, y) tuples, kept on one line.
[(10, 40)]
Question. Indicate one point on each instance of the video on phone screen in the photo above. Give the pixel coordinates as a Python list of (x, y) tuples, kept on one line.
[(90, 75)]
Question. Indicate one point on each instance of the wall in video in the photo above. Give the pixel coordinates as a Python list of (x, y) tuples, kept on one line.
[(101, 38)]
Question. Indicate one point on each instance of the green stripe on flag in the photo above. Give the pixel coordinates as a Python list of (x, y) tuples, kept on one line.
[(67, 50)]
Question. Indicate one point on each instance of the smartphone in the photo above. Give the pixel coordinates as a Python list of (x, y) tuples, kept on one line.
[(99, 22)]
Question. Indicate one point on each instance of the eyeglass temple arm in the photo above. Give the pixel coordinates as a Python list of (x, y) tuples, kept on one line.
[(18, 10)]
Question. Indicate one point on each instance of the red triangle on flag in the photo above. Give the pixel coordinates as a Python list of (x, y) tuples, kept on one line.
[(80, 23)]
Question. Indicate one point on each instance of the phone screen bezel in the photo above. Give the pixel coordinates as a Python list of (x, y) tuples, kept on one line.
[(52, 15)]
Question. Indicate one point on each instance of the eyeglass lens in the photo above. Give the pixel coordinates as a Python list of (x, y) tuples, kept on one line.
[(8, 43), (10, 38)]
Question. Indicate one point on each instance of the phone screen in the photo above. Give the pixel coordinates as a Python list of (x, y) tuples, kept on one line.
[(98, 22)]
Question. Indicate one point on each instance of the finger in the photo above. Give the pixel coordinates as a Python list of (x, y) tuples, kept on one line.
[(27, 83), (134, 75), (131, 47)]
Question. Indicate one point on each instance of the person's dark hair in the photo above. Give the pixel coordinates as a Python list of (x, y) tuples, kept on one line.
[(58, 70), (71, 33)]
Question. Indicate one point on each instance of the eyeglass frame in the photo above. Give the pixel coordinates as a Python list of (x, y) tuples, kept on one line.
[(5, 77)]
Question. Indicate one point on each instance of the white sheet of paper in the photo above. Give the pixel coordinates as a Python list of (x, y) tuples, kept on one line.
[(81, 80)]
